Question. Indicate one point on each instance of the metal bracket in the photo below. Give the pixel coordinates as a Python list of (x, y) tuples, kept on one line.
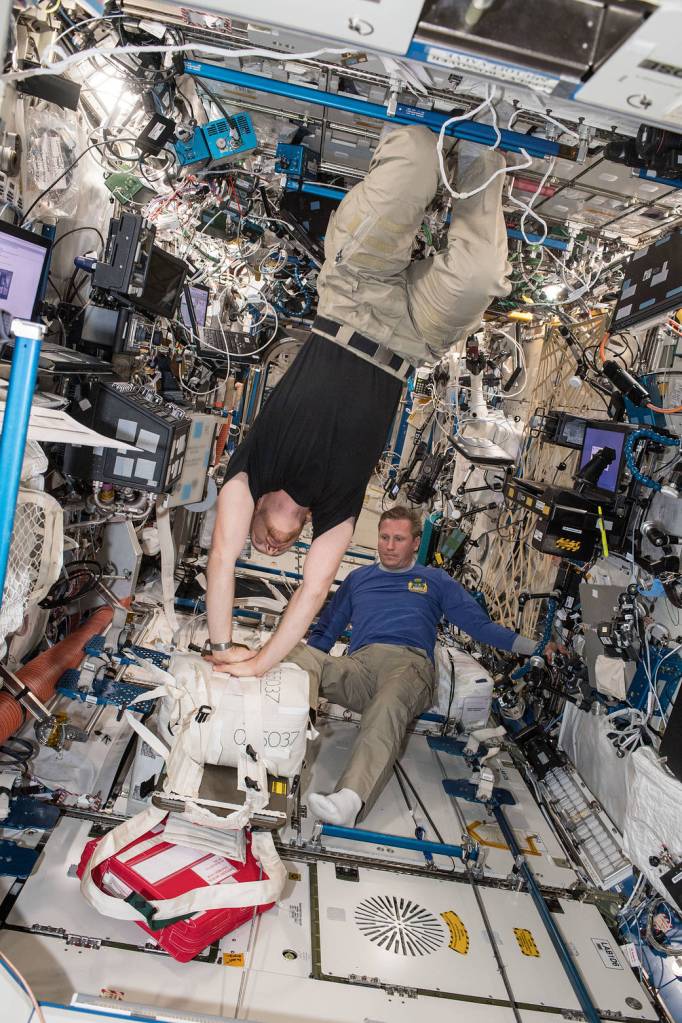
[(48, 727)]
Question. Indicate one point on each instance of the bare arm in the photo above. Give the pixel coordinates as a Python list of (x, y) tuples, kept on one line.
[(235, 511), (319, 571)]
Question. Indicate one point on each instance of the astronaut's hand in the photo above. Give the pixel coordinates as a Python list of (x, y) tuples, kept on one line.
[(553, 648), (222, 659), (248, 666)]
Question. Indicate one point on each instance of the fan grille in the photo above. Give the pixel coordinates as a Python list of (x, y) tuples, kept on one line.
[(399, 925)]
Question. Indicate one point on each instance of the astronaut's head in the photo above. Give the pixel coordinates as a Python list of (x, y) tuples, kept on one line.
[(277, 523)]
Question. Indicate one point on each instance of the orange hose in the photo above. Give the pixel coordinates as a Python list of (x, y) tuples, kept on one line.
[(222, 439), (42, 674), (602, 347), (665, 411)]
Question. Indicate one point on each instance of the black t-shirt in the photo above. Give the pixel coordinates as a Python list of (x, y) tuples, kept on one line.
[(321, 432)]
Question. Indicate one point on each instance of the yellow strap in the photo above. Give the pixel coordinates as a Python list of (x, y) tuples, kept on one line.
[(602, 530)]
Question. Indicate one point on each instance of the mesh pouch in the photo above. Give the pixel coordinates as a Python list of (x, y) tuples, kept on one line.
[(35, 557)]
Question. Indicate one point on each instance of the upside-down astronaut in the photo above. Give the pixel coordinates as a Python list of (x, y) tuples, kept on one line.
[(316, 442)]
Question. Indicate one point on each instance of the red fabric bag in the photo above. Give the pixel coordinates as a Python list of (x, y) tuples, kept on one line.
[(149, 869)]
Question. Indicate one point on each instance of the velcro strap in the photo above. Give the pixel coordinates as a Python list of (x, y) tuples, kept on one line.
[(148, 911)]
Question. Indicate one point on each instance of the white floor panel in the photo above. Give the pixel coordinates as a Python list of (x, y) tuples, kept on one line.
[(276, 999), (428, 933), (406, 931), (56, 971), (544, 853), (535, 972), (52, 898), (282, 936)]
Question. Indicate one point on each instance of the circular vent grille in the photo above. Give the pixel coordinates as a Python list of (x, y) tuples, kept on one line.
[(399, 926)]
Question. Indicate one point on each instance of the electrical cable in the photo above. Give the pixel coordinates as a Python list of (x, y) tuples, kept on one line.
[(25, 985), (468, 116), (652, 911), (61, 66), (481, 905), (75, 230)]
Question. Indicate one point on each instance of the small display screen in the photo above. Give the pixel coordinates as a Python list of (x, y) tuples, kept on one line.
[(199, 299), (163, 284), (571, 432), (22, 262), (596, 439)]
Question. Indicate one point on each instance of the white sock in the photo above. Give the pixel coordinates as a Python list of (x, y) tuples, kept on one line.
[(336, 808)]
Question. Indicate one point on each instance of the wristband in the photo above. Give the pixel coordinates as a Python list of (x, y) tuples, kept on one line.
[(219, 647)]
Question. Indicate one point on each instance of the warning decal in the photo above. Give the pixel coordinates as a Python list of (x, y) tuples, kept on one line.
[(526, 942), (459, 937), (233, 959)]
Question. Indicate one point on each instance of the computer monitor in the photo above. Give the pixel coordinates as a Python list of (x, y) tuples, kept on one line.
[(604, 435), (23, 262), (198, 296), (652, 284), (163, 285)]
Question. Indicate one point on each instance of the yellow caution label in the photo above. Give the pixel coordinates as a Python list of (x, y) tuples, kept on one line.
[(568, 545), (459, 936), (293, 876), (488, 833), (526, 942), (278, 787), (233, 959)]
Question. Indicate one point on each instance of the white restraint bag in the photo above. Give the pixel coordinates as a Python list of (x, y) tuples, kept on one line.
[(257, 725)]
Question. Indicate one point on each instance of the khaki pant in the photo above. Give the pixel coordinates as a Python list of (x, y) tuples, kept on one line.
[(420, 308), (389, 685)]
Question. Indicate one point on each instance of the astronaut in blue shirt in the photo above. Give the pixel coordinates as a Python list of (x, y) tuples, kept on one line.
[(394, 607)]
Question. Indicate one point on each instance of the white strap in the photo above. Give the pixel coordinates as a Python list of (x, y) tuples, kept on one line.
[(7, 779), (222, 896), (167, 565), (145, 733)]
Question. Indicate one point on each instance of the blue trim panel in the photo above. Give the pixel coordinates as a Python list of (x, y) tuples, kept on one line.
[(512, 141)]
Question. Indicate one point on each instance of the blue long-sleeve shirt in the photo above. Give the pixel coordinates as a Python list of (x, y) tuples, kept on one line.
[(404, 609)]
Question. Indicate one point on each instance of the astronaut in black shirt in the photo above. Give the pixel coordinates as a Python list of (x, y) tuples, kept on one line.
[(316, 442)]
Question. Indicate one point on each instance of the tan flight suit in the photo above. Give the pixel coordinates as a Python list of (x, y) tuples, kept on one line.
[(417, 309), (389, 685)]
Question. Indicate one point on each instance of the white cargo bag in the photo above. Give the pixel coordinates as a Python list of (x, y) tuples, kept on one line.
[(257, 725), (464, 689)]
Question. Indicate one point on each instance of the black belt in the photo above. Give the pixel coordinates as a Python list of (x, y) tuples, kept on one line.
[(379, 354)]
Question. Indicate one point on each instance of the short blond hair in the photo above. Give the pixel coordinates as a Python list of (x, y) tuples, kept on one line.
[(401, 512)]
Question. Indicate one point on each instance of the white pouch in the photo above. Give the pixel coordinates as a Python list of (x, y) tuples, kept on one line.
[(468, 700)]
